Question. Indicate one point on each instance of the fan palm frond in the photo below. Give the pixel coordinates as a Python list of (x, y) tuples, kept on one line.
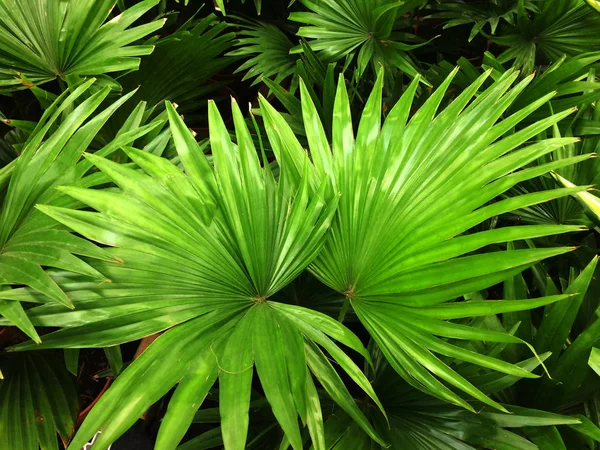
[(395, 248), (347, 29), (41, 40), (229, 238)]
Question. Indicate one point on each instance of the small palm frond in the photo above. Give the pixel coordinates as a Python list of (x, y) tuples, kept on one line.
[(268, 49), (43, 39), (479, 13), (346, 29), (559, 28)]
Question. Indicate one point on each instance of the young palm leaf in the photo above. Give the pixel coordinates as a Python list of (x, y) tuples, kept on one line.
[(348, 28), (202, 252), (41, 40), (268, 49), (480, 14), (559, 28), (398, 248)]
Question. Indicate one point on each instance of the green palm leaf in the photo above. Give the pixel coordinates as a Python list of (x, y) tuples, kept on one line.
[(418, 422), (394, 248), (363, 29), (268, 49), (41, 40), (202, 252), (559, 28), (182, 64), (480, 14)]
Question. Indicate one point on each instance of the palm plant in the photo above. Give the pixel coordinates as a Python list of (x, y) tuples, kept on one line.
[(385, 261), (273, 244), (221, 300)]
